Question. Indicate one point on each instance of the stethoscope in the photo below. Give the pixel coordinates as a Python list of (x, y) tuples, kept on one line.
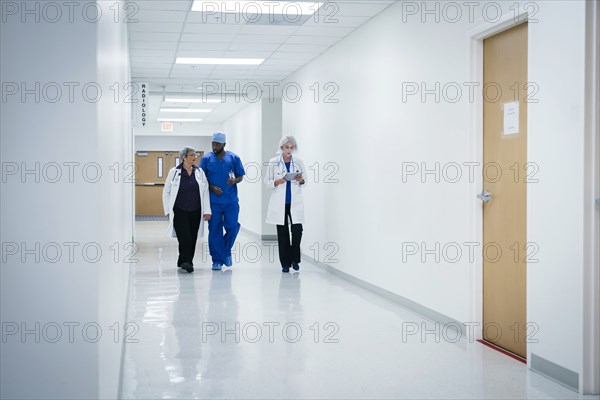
[(177, 176), (294, 167)]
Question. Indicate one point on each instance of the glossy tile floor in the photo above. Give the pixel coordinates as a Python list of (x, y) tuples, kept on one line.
[(302, 335)]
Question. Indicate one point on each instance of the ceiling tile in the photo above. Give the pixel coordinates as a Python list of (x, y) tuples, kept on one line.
[(210, 38), (200, 53), (247, 54), (167, 28), (150, 74), (276, 68), (228, 75), (258, 39), (253, 46), (323, 31), (190, 68), (355, 9), (313, 40), (153, 37), (267, 30), (156, 27), (300, 57), (162, 5), (216, 19), (212, 28), (201, 46), (153, 45), (302, 48), (146, 15), (195, 75), (339, 21), (282, 62)]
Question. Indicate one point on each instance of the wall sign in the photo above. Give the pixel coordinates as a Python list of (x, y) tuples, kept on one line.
[(140, 104), (511, 118)]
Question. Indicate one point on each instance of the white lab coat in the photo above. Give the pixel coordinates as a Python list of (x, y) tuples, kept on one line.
[(276, 210), (170, 195)]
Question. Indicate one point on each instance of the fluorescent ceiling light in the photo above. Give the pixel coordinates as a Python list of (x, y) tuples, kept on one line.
[(286, 8), (191, 100), (186, 110), (219, 61), (178, 120)]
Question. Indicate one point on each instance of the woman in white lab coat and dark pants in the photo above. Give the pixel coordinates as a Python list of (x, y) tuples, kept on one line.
[(187, 203), (285, 178)]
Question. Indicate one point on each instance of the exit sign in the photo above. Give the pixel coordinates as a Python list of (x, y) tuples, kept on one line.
[(166, 127)]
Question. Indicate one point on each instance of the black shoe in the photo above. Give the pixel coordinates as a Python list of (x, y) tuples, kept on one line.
[(296, 266), (285, 269), (187, 267)]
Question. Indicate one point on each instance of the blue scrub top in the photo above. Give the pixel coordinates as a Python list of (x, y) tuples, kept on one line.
[(217, 173), (288, 186)]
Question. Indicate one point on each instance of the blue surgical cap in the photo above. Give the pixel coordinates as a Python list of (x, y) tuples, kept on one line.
[(218, 137)]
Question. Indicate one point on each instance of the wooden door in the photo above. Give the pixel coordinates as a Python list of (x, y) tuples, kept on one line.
[(152, 168), (505, 168)]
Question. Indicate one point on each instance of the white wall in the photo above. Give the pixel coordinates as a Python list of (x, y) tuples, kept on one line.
[(590, 377), (55, 290), (179, 129), (555, 204), (370, 212), (271, 134), (115, 145), (173, 143), (366, 135)]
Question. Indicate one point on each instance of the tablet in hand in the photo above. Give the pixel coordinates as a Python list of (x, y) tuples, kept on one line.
[(290, 176)]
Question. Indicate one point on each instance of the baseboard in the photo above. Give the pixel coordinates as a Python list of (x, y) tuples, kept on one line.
[(555, 372), (257, 236)]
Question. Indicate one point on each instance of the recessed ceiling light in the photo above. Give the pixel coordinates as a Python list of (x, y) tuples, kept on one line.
[(186, 110), (219, 61), (178, 120), (285, 8), (191, 100)]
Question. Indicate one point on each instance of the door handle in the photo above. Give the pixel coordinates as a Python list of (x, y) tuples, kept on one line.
[(150, 184), (485, 196)]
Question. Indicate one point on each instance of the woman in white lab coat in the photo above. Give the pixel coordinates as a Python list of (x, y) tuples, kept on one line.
[(187, 203), (285, 178)]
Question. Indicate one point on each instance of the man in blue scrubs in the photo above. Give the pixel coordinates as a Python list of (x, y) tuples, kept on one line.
[(224, 170)]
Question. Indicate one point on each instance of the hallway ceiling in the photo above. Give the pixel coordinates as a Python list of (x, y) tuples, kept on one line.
[(166, 30)]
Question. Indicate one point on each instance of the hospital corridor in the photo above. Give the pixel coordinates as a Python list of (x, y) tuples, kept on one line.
[(303, 335), (348, 199)]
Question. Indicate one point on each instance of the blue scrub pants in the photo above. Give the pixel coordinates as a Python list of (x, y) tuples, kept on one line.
[(223, 216)]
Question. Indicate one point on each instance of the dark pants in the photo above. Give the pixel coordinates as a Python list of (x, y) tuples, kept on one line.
[(289, 253), (186, 224)]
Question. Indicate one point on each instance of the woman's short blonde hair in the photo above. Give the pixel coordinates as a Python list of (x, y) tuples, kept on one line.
[(287, 139)]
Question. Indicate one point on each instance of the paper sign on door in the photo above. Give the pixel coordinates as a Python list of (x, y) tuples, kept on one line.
[(511, 118)]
